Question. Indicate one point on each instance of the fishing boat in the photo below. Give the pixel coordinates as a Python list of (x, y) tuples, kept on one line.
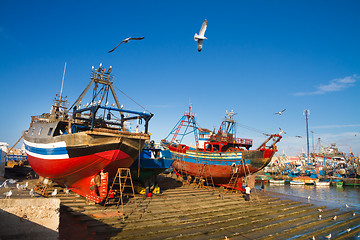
[(321, 183), (293, 182), (217, 157), (82, 149), (153, 160), (277, 181)]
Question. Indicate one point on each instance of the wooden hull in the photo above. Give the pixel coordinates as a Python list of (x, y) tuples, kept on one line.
[(220, 166)]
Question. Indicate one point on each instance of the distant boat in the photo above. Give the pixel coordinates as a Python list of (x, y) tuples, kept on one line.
[(217, 156), (304, 180), (297, 183), (84, 149), (278, 182), (319, 183)]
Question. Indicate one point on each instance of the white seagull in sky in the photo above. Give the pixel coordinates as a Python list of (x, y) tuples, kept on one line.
[(126, 40), (281, 131), (281, 112), (199, 38)]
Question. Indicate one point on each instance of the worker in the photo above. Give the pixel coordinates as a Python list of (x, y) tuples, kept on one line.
[(247, 193)]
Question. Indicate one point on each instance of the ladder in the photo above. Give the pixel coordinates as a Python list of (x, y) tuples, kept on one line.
[(201, 178), (233, 180), (121, 181), (41, 188)]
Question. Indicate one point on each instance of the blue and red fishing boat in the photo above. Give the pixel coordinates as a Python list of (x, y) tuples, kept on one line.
[(219, 155), (84, 148)]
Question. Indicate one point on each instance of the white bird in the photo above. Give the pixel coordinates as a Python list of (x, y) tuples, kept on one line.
[(126, 40), (31, 193), (348, 230), (281, 112), (8, 194), (23, 187), (328, 236), (308, 197), (18, 186), (12, 180), (281, 131), (334, 218), (347, 205), (4, 183), (354, 214), (320, 216), (313, 238), (200, 38), (54, 192), (320, 210)]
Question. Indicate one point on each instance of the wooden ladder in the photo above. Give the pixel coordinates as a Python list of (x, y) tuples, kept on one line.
[(233, 180), (121, 181), (201, 179), (41, 188)]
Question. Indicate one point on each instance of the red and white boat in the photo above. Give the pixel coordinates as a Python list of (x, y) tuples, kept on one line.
[(217, 156), (84, 149)]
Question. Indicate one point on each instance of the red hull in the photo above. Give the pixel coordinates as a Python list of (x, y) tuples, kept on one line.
[(78, 173)]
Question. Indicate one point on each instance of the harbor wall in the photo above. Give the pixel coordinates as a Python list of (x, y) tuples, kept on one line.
[(29, 218)]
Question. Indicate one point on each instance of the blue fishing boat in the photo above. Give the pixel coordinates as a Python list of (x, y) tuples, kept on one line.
[(154, 159)]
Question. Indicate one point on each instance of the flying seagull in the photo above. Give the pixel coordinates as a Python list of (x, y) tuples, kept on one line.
[(281, 112), (199, 38), (126, 40), (328, 236), (281, 131)]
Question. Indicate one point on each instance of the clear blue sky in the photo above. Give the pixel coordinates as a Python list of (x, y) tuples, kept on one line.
[(260, 57)]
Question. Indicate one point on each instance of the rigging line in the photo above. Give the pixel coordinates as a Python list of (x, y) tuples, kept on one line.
[(132, 99), (251, 128)]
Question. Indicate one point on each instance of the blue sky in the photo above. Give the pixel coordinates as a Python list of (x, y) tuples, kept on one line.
[(260, 57)]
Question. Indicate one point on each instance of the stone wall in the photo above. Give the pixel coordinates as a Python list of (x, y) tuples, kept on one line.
[(29, 218)]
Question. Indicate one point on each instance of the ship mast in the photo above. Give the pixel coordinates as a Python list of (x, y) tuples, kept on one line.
[(306, 113)]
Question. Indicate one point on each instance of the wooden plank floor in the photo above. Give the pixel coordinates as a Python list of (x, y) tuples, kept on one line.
[(183, 212)]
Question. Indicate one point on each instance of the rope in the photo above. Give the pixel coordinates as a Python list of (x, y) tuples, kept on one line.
[(132, 100)]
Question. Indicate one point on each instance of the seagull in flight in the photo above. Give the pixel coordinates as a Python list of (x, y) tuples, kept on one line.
[(281, 131), (199, 38), (328, 236), (126, 40), (281, 112)]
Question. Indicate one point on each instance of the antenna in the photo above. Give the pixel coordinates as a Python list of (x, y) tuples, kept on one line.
[(62, 83)]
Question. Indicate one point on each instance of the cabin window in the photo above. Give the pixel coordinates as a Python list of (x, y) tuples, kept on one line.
[(50, 131), (32, 131), (215, 148)]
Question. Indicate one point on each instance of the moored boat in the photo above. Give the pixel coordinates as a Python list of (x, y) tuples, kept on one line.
[(84, 149), (320, 183), (277, 181), (292, 182), (217, 156)]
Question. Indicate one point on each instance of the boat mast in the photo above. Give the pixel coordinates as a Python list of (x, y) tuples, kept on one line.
[(62, 83), (306, 113)]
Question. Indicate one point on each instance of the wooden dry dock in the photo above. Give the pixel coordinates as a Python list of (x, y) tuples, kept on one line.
[(183, 212)]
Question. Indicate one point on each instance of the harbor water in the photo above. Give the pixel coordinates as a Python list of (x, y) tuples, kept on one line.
[(330, 196)]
